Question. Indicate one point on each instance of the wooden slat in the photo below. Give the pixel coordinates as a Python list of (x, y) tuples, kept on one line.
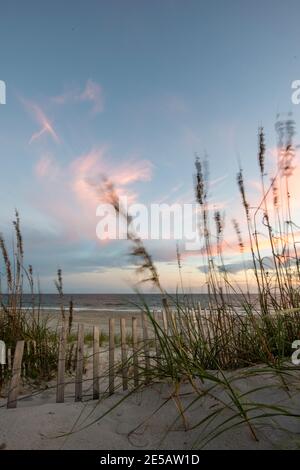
[(173, 324), (60, 387), (157, 343), (201, 320), (16, 375), (111, 359), (79, 363), (96, 358), (135, 352), (9, 359), (124, 354), (25, 355), (209, 328), (165, 313), (195, 324), (165, 321), (146, 346)]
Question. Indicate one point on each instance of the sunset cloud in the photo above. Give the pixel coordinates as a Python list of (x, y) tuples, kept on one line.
[(47, 167), (78, 188), (91, 93), (46, 127)]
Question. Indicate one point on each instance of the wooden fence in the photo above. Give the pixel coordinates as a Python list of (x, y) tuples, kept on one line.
[(133, 347), (137, 348)]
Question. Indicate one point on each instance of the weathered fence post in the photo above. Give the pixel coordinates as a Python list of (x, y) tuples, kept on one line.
[(201, 321), (79, 363), (9, 359), (111, 356), (124, 354), (60, 388), (25, 355), (173, 326), (146, 346), (96, 358), (135, 352), (16, 375), (195, 324), (165, 321), (209, 328), (165, 313), (156, 336)]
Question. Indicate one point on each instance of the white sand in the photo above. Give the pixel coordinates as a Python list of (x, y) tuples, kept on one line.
[(38, 421), (89, 318)]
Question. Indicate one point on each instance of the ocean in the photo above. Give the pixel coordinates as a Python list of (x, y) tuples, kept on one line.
[(111, 302)]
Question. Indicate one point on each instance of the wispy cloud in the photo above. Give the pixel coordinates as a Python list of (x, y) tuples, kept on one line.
[(169, 194), (46, 126), (73, 203), (47, 167), (216, 181), (91, 93)]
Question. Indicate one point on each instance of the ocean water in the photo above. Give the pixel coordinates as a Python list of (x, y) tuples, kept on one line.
[(112, 302)]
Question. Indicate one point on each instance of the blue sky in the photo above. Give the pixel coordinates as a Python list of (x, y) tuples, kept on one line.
[(132, 87)]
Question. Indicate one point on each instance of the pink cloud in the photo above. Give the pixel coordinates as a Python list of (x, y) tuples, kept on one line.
[(77, 188), (91, 93), (39, 115), (47, 167), (133, 171)]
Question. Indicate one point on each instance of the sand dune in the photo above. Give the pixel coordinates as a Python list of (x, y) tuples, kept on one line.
[(40, 423)]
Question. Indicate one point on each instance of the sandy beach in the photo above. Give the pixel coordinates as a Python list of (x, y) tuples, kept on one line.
[(143, 421), (148, 418), (90, 318)]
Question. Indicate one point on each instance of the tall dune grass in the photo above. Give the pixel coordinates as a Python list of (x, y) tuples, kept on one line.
[(25, 322), (252, 335), (210, 350)]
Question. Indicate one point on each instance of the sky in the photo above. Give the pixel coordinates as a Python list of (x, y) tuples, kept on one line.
[(132, 90)]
